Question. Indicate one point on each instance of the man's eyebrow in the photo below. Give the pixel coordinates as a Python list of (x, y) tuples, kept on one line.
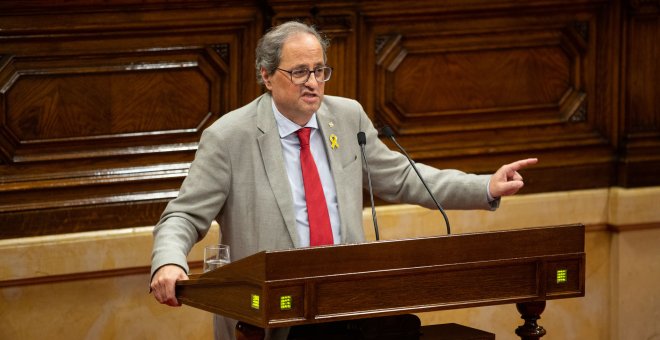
[(304, 66)]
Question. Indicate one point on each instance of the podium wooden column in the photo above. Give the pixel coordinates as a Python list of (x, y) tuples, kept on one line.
[(345, 282)]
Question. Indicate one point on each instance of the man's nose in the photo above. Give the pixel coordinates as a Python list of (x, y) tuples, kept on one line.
[(315, 82)]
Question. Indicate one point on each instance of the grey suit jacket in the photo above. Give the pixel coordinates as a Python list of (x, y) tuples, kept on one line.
[(239, 178)]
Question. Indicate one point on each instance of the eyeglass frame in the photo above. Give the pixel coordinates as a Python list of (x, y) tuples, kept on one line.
[(309, 74)]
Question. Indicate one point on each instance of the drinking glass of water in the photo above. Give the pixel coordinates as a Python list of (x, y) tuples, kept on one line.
[(215, 256)]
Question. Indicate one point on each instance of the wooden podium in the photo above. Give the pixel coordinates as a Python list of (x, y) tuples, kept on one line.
[(345, 282)]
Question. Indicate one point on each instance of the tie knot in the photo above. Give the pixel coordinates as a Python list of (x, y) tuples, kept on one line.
[(303, 136)]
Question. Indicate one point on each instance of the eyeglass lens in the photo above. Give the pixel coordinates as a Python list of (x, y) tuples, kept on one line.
[(301, 76)]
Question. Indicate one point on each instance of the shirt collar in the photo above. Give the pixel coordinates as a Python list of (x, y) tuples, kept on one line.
[(286, 127)]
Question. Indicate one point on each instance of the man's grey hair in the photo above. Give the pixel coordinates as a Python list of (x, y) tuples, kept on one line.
[(269, 47)]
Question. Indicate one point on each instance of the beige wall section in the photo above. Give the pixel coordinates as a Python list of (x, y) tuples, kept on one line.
[(636, 284), (94, 285), (91, 285)]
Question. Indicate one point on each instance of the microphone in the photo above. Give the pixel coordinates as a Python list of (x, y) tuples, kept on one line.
[(362, 140), (387, 131)]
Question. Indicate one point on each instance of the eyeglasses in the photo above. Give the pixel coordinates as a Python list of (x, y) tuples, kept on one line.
[(300, 76)]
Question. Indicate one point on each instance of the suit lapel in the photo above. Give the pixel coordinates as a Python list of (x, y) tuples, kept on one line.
[(271, 154)]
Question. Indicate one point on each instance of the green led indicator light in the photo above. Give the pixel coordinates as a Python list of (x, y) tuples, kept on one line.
[(562, 275), (285, 302), (254, 301)]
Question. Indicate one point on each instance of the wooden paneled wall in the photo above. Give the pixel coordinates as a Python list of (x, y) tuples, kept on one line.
[(102, 102)]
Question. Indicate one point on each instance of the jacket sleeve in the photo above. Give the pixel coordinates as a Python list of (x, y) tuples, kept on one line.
[(188, 217)]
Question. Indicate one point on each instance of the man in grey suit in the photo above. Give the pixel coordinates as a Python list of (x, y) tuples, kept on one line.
[(247, 170)]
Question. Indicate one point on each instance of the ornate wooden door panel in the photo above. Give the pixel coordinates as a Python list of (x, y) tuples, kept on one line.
[(459, 87), (101, 113)]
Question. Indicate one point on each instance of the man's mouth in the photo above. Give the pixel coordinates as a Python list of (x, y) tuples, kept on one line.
[(309, 97)]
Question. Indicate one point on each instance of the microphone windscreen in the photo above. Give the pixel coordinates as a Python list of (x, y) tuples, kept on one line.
[(362, 138), (387, 131)]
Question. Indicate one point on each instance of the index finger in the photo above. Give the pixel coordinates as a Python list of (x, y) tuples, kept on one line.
[(517, 165)]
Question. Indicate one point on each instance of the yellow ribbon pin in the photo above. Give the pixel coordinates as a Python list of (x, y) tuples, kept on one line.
[(333, 141)]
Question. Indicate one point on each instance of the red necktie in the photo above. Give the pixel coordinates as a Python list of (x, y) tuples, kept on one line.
[(320, 232)]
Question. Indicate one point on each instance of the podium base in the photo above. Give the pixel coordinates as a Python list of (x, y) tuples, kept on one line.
[(401, 327), (453, 331)]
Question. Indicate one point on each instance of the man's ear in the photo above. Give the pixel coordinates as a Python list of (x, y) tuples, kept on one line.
[(266, 78)]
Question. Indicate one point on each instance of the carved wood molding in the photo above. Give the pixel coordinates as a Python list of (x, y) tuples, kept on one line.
[(458, 88), (100, 120), (56, 109), (223, 52), (544, 54), (645, 7)]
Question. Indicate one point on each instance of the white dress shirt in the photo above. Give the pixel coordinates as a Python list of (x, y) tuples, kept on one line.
[(291, 151)]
